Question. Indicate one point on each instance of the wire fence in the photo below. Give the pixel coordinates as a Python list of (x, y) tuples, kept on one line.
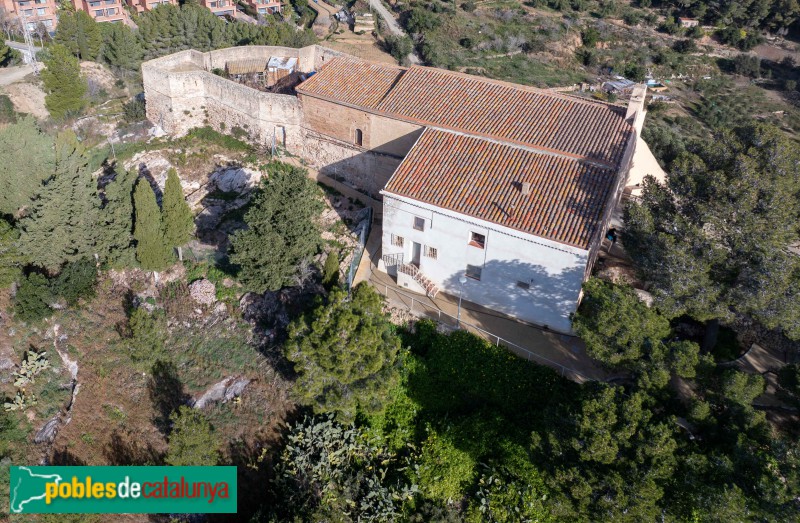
[(421, 308)]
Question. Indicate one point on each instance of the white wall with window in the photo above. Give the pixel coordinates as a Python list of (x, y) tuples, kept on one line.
[(518, 274)]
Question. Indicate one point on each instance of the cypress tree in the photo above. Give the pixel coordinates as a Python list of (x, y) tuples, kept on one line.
[(116, 221), (152, 251), (177, 216), (62, 224), (27, 159), (63, 83)]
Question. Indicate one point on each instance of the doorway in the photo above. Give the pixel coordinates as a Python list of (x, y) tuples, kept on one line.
[(416, 252)]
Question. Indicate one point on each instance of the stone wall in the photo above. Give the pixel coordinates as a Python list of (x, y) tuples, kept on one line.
[(182, 94)]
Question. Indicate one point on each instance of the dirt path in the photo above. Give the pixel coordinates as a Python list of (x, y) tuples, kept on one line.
[(393, 26), (10, 75)]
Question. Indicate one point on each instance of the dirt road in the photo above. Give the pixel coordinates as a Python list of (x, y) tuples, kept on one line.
[(393, 26), (10, 75)]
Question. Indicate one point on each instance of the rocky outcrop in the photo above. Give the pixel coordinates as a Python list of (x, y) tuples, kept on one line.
[(203, 292), (224, 391), (235, 179)]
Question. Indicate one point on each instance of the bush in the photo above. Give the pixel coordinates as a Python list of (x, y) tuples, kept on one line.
[(134, 110), (7, 113), (148, 331), (747, 65), (790, 85), (685, 46), (207, 134), (33, 298), (330, 272), (76, 281), (399, 47), (469, 6)]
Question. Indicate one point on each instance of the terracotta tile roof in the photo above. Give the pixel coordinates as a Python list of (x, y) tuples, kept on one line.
[(519, 114), (482, 178), (352, 81), (516, 113)]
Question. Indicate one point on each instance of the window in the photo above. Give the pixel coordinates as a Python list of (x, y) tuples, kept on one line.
[(431, 252), (111, 12), (474, 272), (41, 11), (359, 137), (524, 285), (48, 23), (98, 13), (477, 240), (419, 224), (397, 241)]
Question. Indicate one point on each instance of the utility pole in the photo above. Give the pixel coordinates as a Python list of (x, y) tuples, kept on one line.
[(26, 33)]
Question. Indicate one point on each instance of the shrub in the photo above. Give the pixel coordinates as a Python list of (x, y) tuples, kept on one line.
[(148, 331), (747, 65), (330, 272), (685, 46), (76, 281), (33, 298), (7, 113), (399, 47), (469, 6), (790, 85), (134, 110)]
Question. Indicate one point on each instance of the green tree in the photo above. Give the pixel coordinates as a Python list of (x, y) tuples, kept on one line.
[(11, 258), (178, 220), (121, 47), (399, 47), (148, 330), (80, 34), (345, 354), (281, 229), (61, 226), (714, 240), (33, 298), (63, 83), (192, 441), (76, 281), (27, 160), (152, 251), (115, 241)]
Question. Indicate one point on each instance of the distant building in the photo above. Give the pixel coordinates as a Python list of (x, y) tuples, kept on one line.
[(149, 5), (265, 7), (220, 7), (103, 10), (33, 12), (688, 22)]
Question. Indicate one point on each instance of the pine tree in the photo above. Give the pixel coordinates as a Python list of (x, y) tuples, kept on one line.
[(121, 48), (80, 34), (281, 230), (177, 216), (63, 83), (192, 441), (714, 241), (152, 251), (27, 159), (345, 354), (62, 224), (115, 242)]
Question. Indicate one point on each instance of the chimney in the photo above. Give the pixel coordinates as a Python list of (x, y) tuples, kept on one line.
[(525, 188)]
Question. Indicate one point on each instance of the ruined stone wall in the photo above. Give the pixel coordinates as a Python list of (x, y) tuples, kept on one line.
[(182, 94)]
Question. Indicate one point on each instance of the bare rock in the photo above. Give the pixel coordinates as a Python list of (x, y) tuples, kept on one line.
[(215, 393), (203, 292), (235, 179), (48, 432), (236, 388)]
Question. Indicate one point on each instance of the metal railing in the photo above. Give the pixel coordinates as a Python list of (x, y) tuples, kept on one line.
[(454, 323)]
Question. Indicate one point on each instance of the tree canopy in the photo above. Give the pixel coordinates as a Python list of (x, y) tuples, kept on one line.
[(281, 229), (345, 354), (192, 441), (61, 225), (714, 240), (27, 160), (152, 251), (63, 83)]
